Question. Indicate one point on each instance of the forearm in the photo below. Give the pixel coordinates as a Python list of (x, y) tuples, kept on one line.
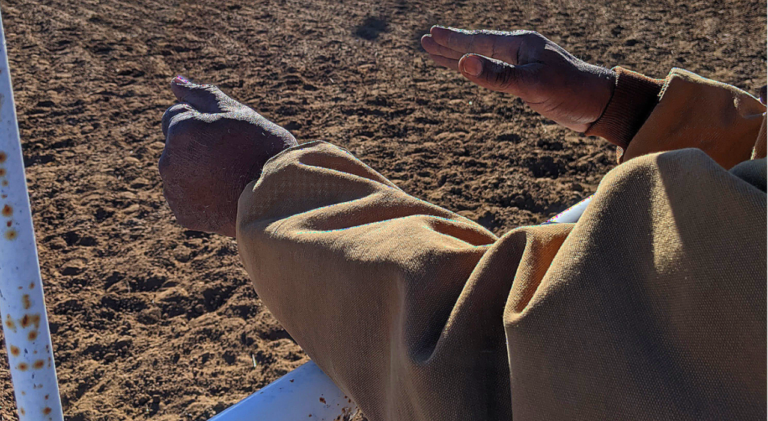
[(633, 100), (683, 111), (377, 286)]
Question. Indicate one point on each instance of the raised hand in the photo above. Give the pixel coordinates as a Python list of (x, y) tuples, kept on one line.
[(550, 80), (214, 147)]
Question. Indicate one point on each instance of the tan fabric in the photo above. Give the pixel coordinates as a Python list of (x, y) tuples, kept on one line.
[(652, 306), (695, 112), (634, 98)]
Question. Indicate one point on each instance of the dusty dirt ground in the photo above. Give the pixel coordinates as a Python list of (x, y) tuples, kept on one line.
[(151, 321)]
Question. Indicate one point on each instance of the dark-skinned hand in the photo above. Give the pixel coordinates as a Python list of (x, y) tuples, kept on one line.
[(214, 146), (525, 64)]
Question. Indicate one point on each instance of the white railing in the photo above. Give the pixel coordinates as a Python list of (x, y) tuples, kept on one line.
[(22, 307), (305, 393)]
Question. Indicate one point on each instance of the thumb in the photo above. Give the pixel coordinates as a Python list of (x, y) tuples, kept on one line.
[(497, 75), (204, 98)]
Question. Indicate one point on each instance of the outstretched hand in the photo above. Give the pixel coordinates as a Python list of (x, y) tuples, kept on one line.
[(214, 147), (550, 80)]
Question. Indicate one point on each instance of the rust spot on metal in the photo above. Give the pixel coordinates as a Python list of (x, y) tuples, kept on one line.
[(8, 224), (35, 319), (322, 400), (5, 196), (5, 183), (23, 366), (9, 322), (22, 411), (15, 351), (3, 157), (2, 172), (31, 285), (38, 364), (32, 335), (47, 410), (25, 301), (47, 396), (29, 320), (23, 393), (11, 234), (7, 211)]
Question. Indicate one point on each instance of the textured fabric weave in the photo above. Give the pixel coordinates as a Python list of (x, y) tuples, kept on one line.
[(633, 99), (652, 306)]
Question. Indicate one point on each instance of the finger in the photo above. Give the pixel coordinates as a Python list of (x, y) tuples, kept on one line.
[(184, 122), (497, 75), (172, 112), (445, 62), (433, 48), (495, 44), (204, 98)]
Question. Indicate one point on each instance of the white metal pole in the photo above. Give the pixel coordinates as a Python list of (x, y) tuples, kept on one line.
[(22, 307), (572, 214), (305, 393)]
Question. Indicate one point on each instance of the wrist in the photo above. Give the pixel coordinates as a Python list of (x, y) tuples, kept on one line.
[(589, 96), (633, 99), (606, 86)]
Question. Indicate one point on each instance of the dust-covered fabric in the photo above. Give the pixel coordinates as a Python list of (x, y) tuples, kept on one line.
[(652, 306)]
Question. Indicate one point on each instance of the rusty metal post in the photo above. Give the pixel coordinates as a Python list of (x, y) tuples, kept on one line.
[(22, 307)]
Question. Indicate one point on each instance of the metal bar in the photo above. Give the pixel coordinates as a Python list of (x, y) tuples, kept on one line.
[(572, 214), (305, 393), (22, 306)]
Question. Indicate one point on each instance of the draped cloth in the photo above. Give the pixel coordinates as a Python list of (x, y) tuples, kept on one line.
[(652, 306)]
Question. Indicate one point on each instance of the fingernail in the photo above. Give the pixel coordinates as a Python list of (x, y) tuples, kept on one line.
[(182, 79), (472, 65)]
